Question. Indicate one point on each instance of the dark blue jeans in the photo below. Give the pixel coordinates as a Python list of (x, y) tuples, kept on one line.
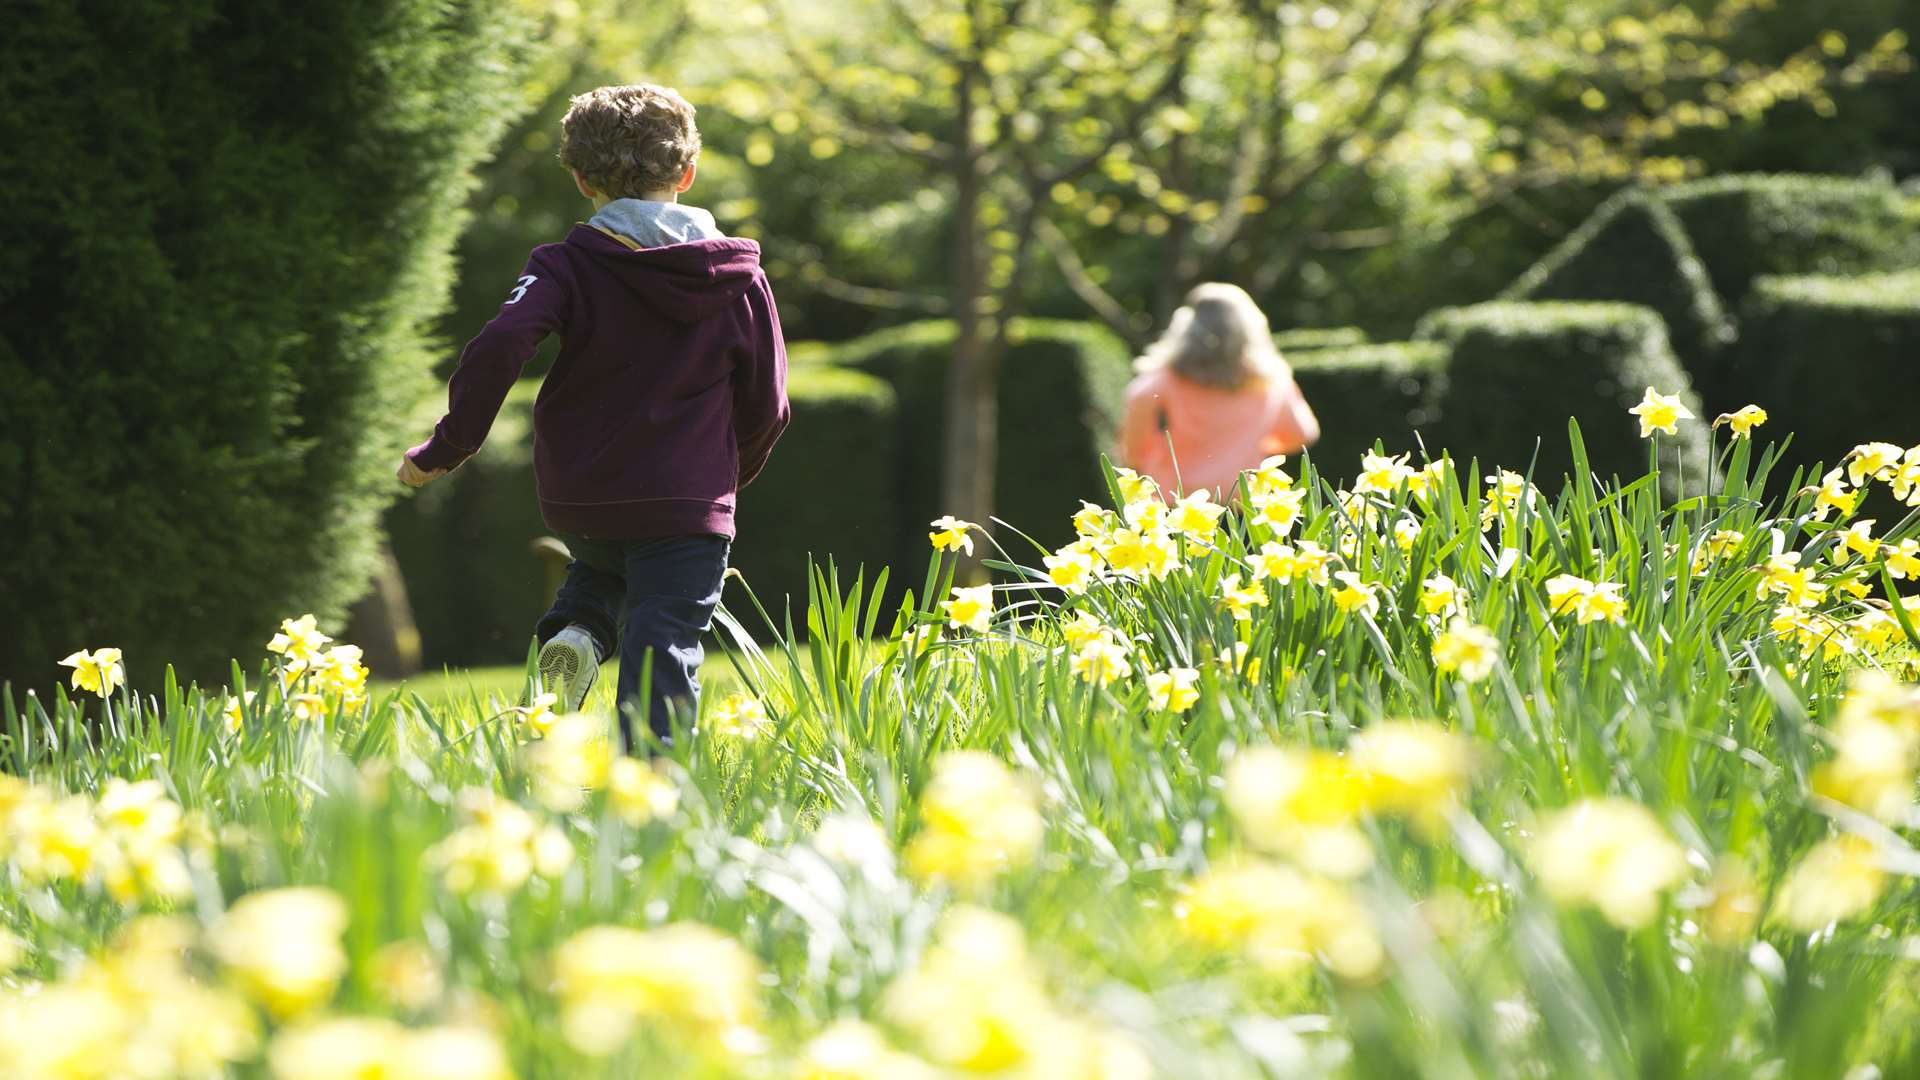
[(661, 590)]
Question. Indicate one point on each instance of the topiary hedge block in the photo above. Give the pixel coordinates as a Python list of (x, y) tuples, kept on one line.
[(225, 251), (828, 490), (1318, 337), (1519, 370), (1062, 388), (1367, 392), (1635, 250), (1834, 360), (1747, 226)]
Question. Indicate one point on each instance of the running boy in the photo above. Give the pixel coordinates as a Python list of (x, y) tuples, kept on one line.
[(666, 398)]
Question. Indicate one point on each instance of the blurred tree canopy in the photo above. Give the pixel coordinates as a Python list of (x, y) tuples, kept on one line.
[(1347, 163)]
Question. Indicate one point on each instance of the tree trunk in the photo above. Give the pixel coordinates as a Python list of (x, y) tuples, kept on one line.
[(970, 440)]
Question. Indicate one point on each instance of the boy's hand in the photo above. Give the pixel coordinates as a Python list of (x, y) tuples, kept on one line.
[(414, 476)]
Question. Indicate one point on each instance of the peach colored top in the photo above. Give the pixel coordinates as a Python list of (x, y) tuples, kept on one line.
[(1214, 432)]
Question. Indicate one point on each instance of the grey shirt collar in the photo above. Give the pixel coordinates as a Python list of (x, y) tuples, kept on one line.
[(656, 224)]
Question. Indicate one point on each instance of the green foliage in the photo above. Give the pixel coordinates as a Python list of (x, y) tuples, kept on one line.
[(227, 228), (1747, 226), (828, 491), (1836, 360), (463, 545), (1408, 898), (1318, 337), (1366, 392), (1634, 250), (1516, 362), (1062, 388)]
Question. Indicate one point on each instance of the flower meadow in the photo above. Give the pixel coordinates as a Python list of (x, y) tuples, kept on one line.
[(1438, 775)]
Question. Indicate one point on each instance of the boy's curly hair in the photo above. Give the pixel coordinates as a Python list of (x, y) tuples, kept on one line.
[(629, 141)]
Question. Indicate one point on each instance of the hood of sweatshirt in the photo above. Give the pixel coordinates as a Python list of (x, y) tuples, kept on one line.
[(684, 282)]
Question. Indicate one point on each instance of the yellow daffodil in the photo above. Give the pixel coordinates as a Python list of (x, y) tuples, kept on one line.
[(971, 608), (1383, 475), (740, 716), (1235, 659), (1101, 662), (1857, 539), (576, 754), (854, 1050), (1611, 854), (1905, 480), (689, 983), (1903, 561), (1743, 420), (299, 640), (1406, 532), (1587, 601), (1071, 568), (1082, 628), (1718, 545), (1440, 597), (976, 822), (1310, 561), (1174, 690), (1195, 517), (307, 708), (1783, 576), (1303, 804), (1507, 491), (1273, 561), (1268, 478), (1466, 649), (1280, 918), (1355, 595), (539, 715), (974, 1002), (1660, 412), (282, 947), (1241, 600), (1872, 461), (1279, 510), (640, 791), (1092, 522), (951, 534), (1426, 479), (98, 672), (1832, 494), (1135, 487), (235, 711), (1414, 769), (1839, 879), (1146, 515)]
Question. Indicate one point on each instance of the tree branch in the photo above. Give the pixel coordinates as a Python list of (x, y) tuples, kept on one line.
[(914, 144), (1081, 282)]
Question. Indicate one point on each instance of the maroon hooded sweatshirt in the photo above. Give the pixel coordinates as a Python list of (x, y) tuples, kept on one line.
[(667, 396)]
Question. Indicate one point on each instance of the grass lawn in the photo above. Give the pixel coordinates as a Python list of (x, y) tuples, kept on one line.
[(494, 688)]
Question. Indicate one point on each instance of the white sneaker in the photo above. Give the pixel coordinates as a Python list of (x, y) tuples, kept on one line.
[(569, 664)]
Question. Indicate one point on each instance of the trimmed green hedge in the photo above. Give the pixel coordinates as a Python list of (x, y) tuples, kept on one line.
[(1318, 337), (1062, 388), (227, 229), (1834, 360), (1635, 250), (463, 545), (1747, 226), (1367, 392), (828, 490), (1520, 369)]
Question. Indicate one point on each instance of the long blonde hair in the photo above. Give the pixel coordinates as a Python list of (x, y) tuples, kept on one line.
[(1218, 337)]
